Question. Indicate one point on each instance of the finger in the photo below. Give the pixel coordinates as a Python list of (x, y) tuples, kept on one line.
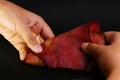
[(112, 36), (33, 60), (16, 41), (92, 48), (46, 31), (35, 29), (36, 33), (22, 48), (28, 37), (39, 39)]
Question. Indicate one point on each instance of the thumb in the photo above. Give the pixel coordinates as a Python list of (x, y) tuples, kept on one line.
[(91, 48)]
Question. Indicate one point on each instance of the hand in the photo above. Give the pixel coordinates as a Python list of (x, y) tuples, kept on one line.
[(23, 28), (108, 56)]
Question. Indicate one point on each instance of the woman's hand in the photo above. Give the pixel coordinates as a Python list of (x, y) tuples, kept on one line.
[(23, 28), (108, 57)]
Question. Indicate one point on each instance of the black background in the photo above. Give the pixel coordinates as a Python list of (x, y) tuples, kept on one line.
[(61, 15)]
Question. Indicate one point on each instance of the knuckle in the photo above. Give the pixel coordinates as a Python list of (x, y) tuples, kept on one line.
[(31, 42), (21, 46), (117, 34), (92, 48), (41, 17)]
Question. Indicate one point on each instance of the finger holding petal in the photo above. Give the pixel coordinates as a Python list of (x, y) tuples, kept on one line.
[(16, 41)]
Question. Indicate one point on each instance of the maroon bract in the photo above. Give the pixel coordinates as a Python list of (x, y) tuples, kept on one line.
[(63, 51)]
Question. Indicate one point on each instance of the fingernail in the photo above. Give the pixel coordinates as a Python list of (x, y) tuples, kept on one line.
[(37, 48), (84, 45)]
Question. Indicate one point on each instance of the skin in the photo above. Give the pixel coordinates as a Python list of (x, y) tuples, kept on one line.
[(22, 28), (107, 56)]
